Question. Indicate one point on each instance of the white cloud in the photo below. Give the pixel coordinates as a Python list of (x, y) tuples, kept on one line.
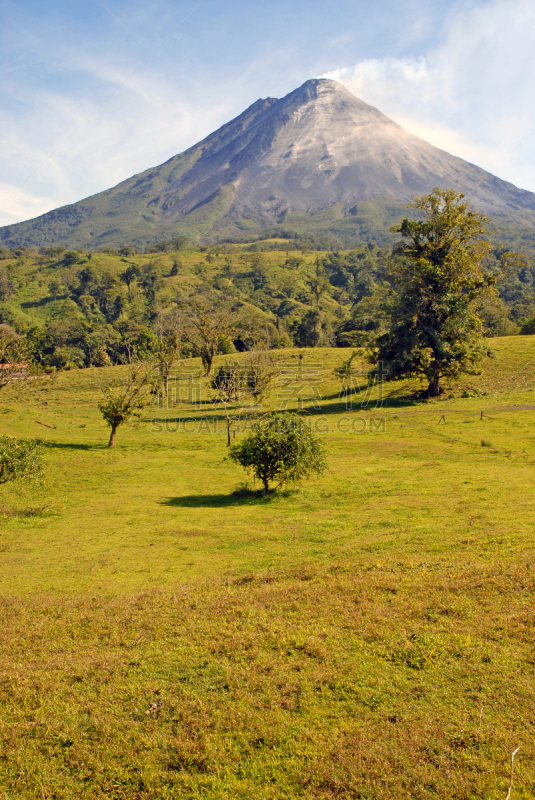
[(17, 204), (82, 147), (472, 95)]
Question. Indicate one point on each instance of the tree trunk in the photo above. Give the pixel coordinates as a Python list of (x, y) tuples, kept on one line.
[(228, 426), (228, 421), (434, 388), (112, 436), (266, 485), (207, 360)]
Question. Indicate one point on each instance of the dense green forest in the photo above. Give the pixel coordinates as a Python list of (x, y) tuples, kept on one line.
[(76, 308)]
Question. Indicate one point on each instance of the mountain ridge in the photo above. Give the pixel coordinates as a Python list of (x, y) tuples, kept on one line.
[(317, 148)]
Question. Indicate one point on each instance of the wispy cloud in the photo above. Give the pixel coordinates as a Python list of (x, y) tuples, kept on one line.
[(23, 205), (144, 126), (471, 95)]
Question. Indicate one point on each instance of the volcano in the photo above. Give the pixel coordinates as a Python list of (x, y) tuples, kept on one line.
[(318, 159)]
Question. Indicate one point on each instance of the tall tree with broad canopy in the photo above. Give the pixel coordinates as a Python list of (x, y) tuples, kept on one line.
[(438, 275)]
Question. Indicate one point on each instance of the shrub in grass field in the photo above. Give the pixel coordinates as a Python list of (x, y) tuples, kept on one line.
[(280, 450), (20, 459), (126, 398)]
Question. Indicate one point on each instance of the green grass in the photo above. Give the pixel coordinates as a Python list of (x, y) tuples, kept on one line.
[(369, 635)]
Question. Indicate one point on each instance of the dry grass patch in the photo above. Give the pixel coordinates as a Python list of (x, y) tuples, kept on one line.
[(409, 681)]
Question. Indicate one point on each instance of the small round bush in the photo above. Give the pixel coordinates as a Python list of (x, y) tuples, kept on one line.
[(280, 450), (20, 459)]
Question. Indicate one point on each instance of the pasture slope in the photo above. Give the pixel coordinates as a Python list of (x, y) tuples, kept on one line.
[(369, 635)]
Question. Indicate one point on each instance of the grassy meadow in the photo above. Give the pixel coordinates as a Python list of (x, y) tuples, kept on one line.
[(367, 635)]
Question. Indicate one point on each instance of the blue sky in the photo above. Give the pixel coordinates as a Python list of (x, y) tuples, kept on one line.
[(93, 91)]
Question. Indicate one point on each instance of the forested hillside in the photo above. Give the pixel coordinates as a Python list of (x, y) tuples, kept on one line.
[(77, 308)]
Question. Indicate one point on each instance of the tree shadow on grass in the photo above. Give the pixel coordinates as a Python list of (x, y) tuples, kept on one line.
[(396, 398), (240, 497), (217, 416), (71, 445)]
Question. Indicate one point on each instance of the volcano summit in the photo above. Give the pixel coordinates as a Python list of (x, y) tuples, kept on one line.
[(317, 160)]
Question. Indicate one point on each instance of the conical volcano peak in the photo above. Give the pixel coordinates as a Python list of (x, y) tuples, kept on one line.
[(328, 92), (318, 87), (317, 149)]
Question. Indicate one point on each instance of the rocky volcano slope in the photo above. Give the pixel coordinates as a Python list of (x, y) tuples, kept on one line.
[(318, 159)]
